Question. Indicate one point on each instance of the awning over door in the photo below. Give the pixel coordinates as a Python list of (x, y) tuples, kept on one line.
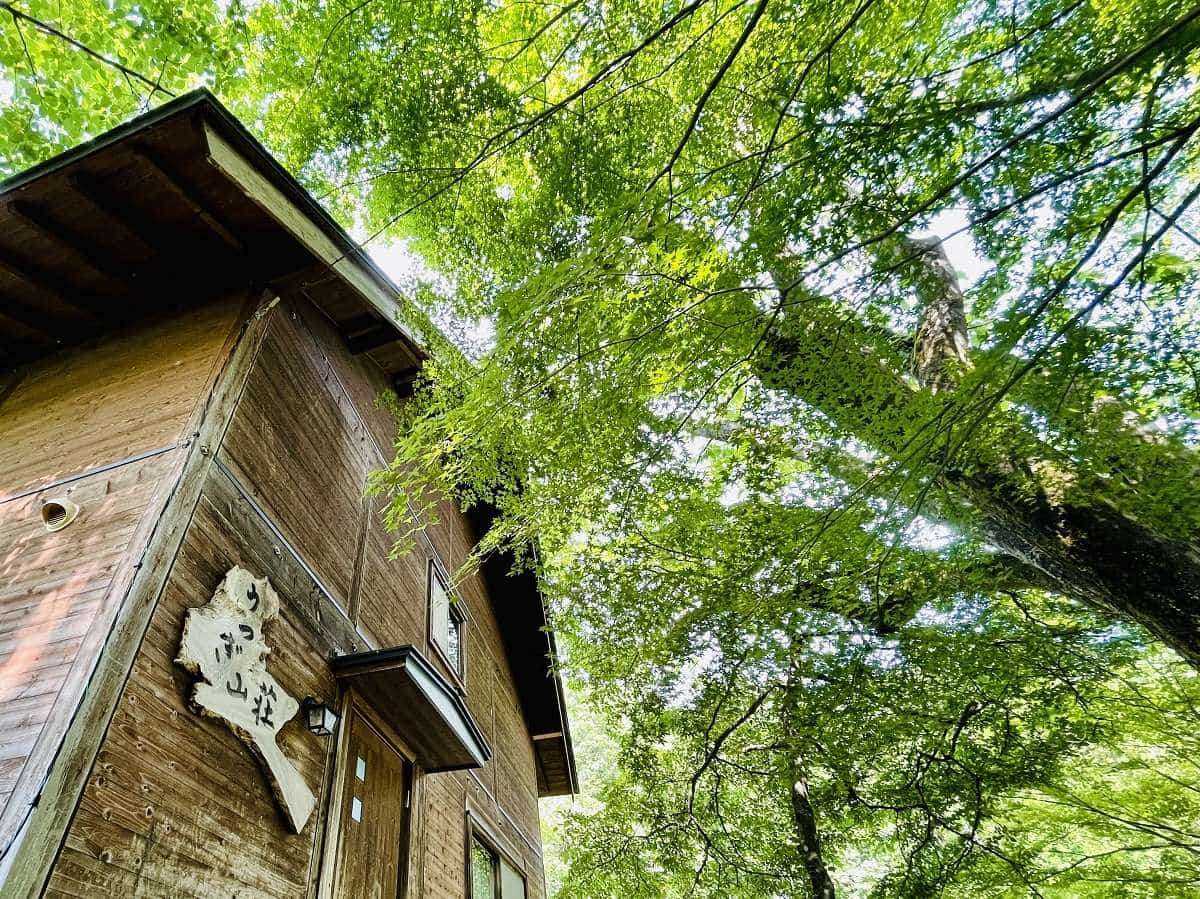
[(419, 704)]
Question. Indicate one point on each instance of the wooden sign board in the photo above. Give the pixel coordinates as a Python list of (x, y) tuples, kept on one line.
[(224, 645)]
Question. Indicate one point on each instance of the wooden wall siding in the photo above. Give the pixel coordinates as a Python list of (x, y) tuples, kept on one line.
[(102, 425), (444, 867), (516, 780), (176, 805), (362, 381), (94, 406), (296, 443), (53, 588), (391, 606), (391, 595), (482, 673), (47, 796)]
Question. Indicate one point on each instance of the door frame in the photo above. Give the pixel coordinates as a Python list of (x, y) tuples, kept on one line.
[(411, 829)]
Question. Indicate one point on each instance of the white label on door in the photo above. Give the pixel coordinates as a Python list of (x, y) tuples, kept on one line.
[(360, 768), (356, 808)]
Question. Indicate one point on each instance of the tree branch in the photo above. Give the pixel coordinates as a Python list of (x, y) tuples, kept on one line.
[(713, 83), (51, 30)]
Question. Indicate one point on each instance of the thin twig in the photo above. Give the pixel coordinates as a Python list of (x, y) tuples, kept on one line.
[(53, 31)]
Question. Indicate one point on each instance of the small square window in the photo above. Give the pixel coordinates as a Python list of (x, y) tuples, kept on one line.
[(446, 620)]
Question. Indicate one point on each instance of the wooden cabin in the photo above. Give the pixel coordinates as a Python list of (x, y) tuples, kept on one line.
[(214, 681)]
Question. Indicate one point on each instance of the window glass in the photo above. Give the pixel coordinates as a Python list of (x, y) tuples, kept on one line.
[(489, 871), (454, 642), (445, 622), (483, 872), (512, 884), (439, 611)]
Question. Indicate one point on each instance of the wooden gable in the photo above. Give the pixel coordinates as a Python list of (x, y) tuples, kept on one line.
[(153, 220)]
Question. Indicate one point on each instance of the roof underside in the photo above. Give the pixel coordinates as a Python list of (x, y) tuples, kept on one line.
[(98, 237)]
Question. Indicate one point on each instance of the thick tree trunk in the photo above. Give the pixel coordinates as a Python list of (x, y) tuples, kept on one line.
[(1087, 548), (941, 349), (1092, 551), (1095, 554)]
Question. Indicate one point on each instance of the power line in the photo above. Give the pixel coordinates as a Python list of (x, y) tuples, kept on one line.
[(47, 28)]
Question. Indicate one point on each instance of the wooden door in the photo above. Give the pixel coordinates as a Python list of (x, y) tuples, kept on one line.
[(371, 823)]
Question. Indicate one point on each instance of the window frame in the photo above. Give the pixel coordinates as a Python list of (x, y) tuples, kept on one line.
[(479, 832), (457, 616)]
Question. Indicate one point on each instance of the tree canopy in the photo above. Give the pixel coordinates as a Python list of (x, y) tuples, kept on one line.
[(839, 370)]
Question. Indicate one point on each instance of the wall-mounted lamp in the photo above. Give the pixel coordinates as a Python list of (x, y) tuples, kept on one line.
[(321, 719)]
